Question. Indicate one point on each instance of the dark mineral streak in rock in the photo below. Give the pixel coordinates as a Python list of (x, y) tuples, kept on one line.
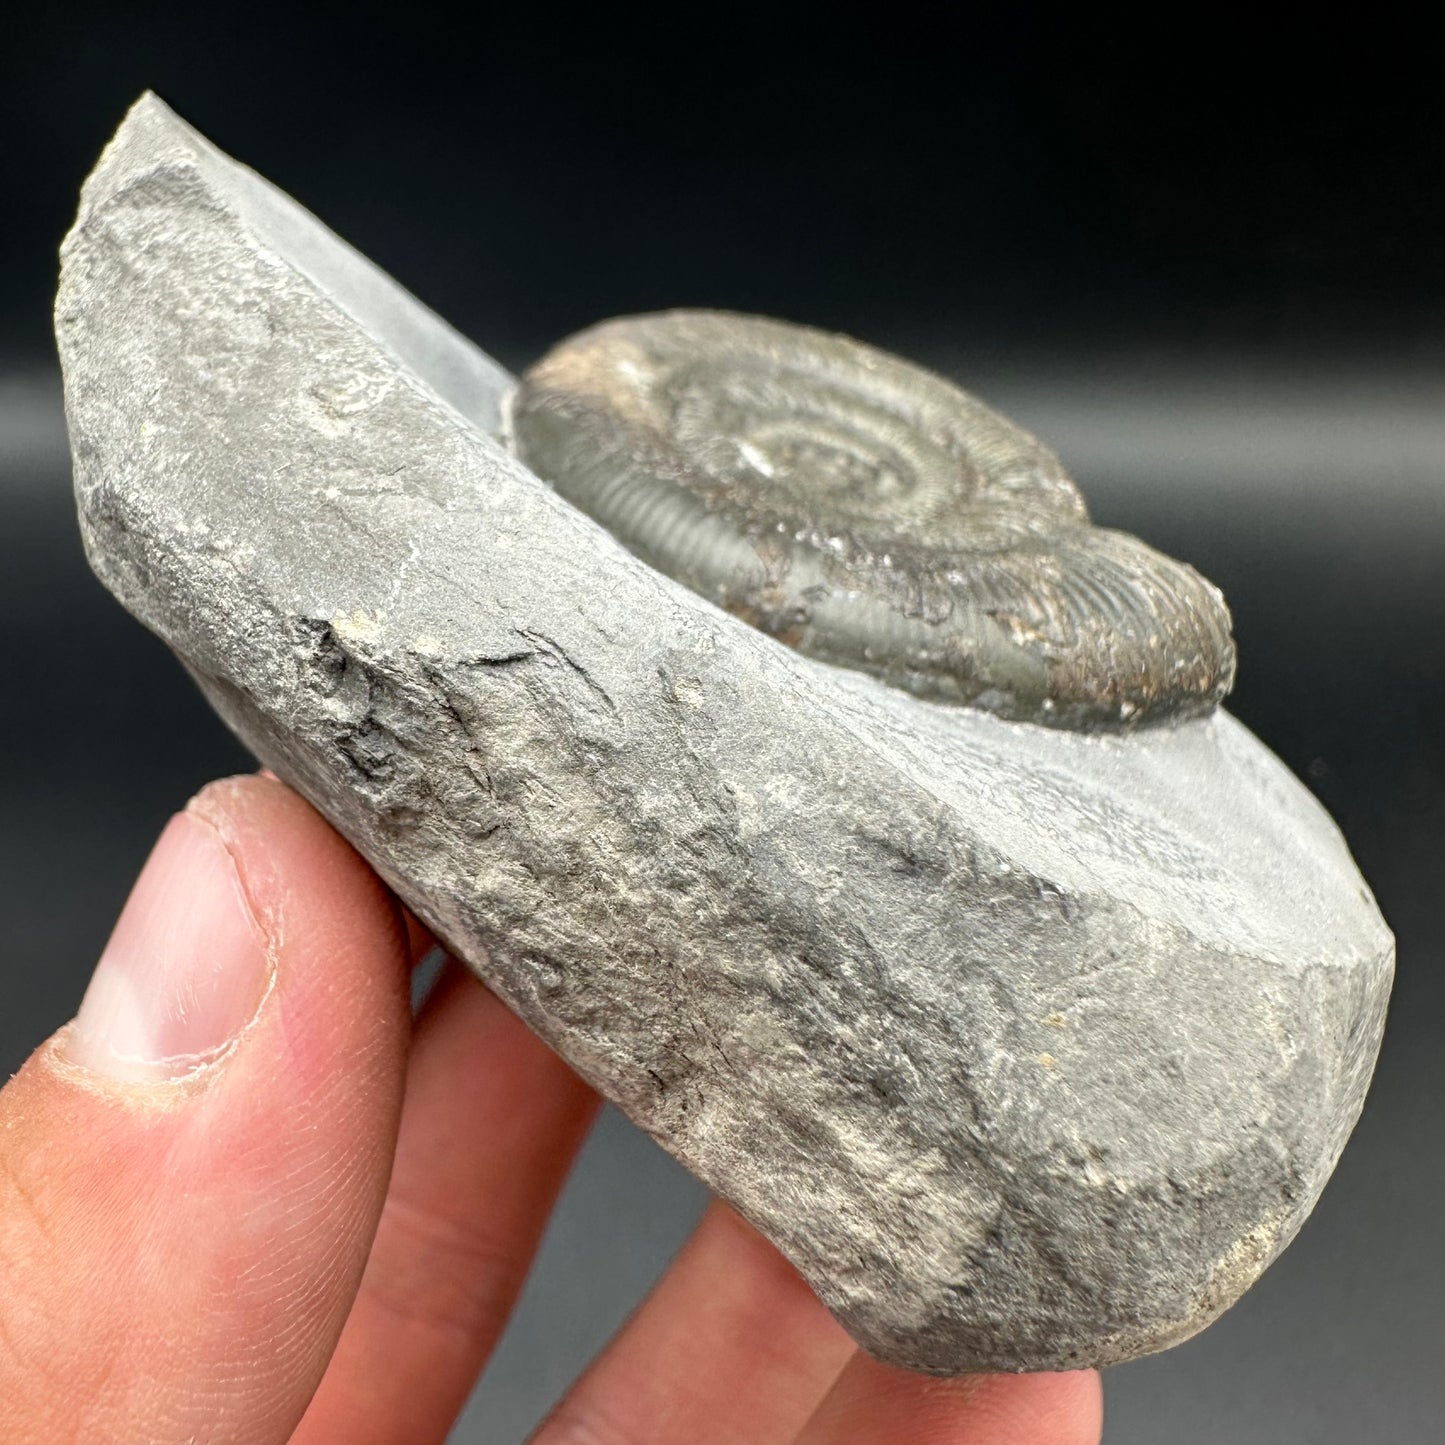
[(871, 514), (1030, 1048)]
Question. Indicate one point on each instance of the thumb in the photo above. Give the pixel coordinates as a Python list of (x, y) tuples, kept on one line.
[(191, 1172)]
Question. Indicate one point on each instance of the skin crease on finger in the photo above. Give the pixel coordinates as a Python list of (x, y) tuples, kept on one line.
[(182, 1253)]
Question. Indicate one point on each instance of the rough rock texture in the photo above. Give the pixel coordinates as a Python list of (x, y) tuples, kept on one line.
[(1029, 1048)]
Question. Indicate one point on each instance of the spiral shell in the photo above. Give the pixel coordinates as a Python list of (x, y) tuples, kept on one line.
[(871, 514)]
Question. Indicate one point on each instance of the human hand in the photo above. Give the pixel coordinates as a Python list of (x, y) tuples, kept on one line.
[(244, 1198)]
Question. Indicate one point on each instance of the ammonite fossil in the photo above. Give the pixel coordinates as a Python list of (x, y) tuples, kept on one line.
[(869, 513), (1029, 1047)]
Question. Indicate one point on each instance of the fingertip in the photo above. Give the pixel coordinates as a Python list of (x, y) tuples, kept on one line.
[(232, 801), (873, 1401), (1065, 1408)]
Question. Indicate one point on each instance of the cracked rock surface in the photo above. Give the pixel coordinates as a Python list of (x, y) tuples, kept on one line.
[(1030, 1049)]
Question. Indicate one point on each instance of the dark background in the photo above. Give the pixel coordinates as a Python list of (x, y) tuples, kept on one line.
[(1205, 264)]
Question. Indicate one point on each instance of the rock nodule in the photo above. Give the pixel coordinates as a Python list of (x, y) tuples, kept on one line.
[(1030, 1048)]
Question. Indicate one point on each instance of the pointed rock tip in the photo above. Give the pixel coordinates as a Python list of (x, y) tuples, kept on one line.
[(150, 115), (150, 134)]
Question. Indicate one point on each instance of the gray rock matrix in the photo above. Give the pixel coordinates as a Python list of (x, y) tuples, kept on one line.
[(1029, 1048)]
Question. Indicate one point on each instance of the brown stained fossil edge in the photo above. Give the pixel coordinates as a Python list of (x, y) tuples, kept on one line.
[(868, 512)]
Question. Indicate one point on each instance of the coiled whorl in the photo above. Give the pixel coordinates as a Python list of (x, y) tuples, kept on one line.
[(872, 514)]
